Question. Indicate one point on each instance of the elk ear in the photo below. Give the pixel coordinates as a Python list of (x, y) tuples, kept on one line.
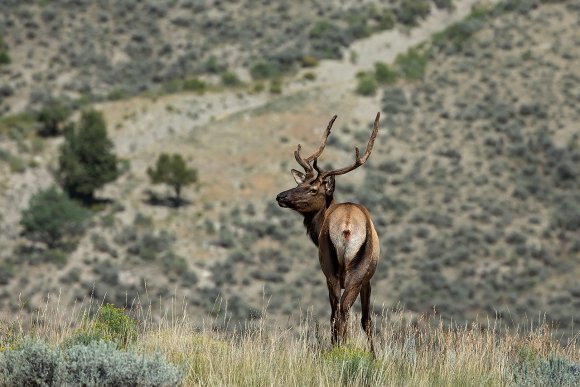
[(329, 185), (298, 176)]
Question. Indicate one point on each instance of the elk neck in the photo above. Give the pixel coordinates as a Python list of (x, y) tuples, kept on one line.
[(313, 220)]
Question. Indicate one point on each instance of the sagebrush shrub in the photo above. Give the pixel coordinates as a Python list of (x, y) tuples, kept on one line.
[(31, 364), (555, 371), (102, 364), (93, 364)]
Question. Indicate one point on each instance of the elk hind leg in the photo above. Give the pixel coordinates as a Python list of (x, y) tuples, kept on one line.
[(351, 292), (334, 296), (366, 322)]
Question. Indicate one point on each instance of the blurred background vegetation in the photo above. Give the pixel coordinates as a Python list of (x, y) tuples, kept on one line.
[(474, 185)]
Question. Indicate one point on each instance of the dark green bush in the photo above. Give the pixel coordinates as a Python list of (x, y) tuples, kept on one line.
[(454, 37), (367, 85), (110, 324), (327, 39), (54, 219), (117, 94), (321, 29), (172, 262), (309, 61), (444, 4), (189, 278), (213, 66), (276, 86), (411, 11), (412, 64), (4, 57), (125, 236), (16, 163), (358, 26), (390, 167), (225, 237), (150, 245), (223, 273), (194, 84), (433, 217), (52, 115), (229, 78), (522, 6), (384, 74), (566, 213), (7, 271), (385, 19), (100, 244), (264, 70)]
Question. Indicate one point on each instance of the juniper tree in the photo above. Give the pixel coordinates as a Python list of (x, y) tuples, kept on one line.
[(172, 170), (54, 219), (87, 161)]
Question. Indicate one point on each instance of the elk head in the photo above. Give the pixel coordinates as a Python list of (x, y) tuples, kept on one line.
[(315, 189)]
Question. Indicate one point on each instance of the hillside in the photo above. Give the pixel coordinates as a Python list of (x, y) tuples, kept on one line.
[(113, 49), (473, 184)]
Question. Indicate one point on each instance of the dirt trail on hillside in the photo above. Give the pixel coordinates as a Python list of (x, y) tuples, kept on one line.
[(333, 78), (385, 46)]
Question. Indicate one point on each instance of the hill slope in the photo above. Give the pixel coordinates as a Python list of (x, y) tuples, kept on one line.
[(473, 183)]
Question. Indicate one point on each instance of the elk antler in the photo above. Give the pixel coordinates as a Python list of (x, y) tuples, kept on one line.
[(305, 162), (358, 160)]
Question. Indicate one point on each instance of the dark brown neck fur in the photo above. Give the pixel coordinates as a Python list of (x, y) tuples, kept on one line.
[(313, 220)]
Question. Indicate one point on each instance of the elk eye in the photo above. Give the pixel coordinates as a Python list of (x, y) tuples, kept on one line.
[(313, 190)]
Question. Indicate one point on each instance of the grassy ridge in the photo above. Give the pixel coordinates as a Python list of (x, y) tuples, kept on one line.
[(409, 350)]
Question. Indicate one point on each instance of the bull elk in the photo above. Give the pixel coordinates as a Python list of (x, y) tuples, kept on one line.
[(348, 245)]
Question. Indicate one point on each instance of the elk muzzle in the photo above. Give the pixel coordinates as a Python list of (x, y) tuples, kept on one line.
[(283, 199)]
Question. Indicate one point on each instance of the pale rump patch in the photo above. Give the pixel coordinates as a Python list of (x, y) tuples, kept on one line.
[(347, 233)]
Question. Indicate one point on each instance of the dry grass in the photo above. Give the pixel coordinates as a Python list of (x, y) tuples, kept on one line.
[(410, 351)]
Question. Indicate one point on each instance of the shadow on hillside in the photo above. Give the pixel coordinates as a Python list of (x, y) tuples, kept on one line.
[(100, 202), (154, 199)]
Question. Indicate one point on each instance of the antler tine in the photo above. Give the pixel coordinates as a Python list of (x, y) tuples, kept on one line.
[(301, 161), (322, 140), (305, 162), (358, 160)]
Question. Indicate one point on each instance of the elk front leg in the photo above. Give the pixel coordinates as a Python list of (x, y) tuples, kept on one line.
[(367, 325), (334, 296)]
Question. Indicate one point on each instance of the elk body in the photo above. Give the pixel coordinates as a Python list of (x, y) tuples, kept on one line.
[(348, 245)]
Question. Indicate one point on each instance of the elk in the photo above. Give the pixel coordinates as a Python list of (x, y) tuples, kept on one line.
[(348, 245)]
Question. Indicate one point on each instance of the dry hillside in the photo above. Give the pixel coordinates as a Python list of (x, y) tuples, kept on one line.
[(473, 184)]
